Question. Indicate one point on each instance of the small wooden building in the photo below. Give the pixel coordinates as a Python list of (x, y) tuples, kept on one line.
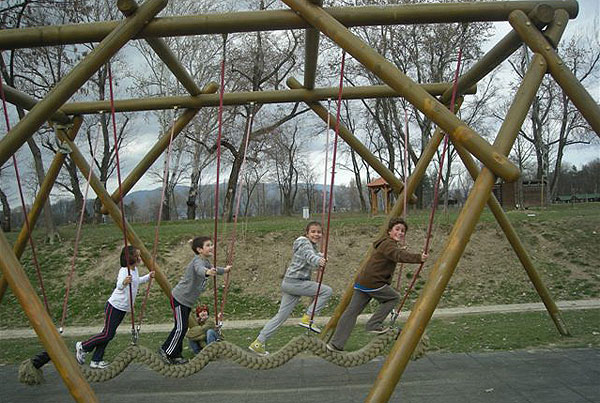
[(375, 187), (533, 194)]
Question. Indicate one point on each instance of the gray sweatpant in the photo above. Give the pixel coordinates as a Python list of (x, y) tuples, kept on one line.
[(292, 290), (386, 296)]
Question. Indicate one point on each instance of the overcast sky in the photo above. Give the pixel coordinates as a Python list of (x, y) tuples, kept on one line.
[(587, 21)]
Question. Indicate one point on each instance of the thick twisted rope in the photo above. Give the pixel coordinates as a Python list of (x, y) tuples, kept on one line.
[(226, 350)]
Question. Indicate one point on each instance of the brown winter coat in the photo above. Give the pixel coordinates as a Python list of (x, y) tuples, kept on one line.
[(381, 265)]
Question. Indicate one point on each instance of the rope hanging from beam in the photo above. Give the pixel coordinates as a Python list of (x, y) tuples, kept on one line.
[(238, 197), (331, 188), (121, 197), (219, 134), (78, 235), (158, 220), (36, 263), (396, 312)]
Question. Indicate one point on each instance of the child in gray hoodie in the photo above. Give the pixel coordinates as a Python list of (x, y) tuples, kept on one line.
[(184, 296), (297, 283)]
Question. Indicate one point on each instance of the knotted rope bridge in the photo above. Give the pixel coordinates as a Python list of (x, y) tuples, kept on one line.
[(30, 375)]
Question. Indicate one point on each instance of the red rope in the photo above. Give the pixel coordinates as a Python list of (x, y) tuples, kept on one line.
[(216, 234), (405, 163), (319, 274), (437, 186), (238, 197), (24, 207), (326, 162), (77, 237), (158, 220), (121, 195), (404, 193), (331, 186)]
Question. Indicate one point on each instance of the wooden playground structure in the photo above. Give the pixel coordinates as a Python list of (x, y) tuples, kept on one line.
[(537, 24)]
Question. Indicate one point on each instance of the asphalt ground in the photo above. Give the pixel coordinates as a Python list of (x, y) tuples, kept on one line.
[(532, 376), (524, 376)]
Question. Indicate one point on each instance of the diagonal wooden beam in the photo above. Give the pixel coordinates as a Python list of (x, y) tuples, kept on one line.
[(560, 71), (41, 197), (353, 142), (396, 211), (458, 131), (553, 33), (464, 226), (115, 213), (60, 354), (513, 238), (541, 15), (71, 82), (161, 145), (162, 50)]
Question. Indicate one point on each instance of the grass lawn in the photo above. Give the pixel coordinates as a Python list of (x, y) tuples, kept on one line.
[(561, 240), (469, 333)]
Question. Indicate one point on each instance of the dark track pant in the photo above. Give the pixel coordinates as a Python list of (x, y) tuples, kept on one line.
[(112, 319), (386, 296), (174, 343), (40, 359)]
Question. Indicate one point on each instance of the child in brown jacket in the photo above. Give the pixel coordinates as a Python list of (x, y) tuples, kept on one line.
[(374, 282)]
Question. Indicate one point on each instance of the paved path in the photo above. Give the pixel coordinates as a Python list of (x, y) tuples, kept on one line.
[(525, 376), (537, 376), (240, 324)]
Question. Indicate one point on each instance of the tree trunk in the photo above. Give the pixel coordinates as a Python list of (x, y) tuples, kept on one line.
[(76, 190), (357, 179), (228, 204), (193, 195), (5, 224), (51, 232), (192, 200)]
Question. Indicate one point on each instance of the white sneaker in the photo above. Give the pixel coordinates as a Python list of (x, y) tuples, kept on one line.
[(379, 330), (79, 353), (333, 348), (99, 364)]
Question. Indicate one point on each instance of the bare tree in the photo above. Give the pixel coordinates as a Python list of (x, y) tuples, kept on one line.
[(554, 123), (285, 153), (260, 65), (36, 70), (200, 56), (5, 222), (426, 53), (355, 167)]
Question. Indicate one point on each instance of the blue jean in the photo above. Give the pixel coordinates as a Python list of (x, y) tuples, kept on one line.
[(211, 337)]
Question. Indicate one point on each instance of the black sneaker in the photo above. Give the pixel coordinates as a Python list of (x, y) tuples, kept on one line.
[(163, 356), (179, 360)]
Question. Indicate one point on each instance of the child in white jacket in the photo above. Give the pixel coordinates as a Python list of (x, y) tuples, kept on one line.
[(117, 306)]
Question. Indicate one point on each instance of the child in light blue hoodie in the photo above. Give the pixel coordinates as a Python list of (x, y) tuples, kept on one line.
[(297, 283)]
